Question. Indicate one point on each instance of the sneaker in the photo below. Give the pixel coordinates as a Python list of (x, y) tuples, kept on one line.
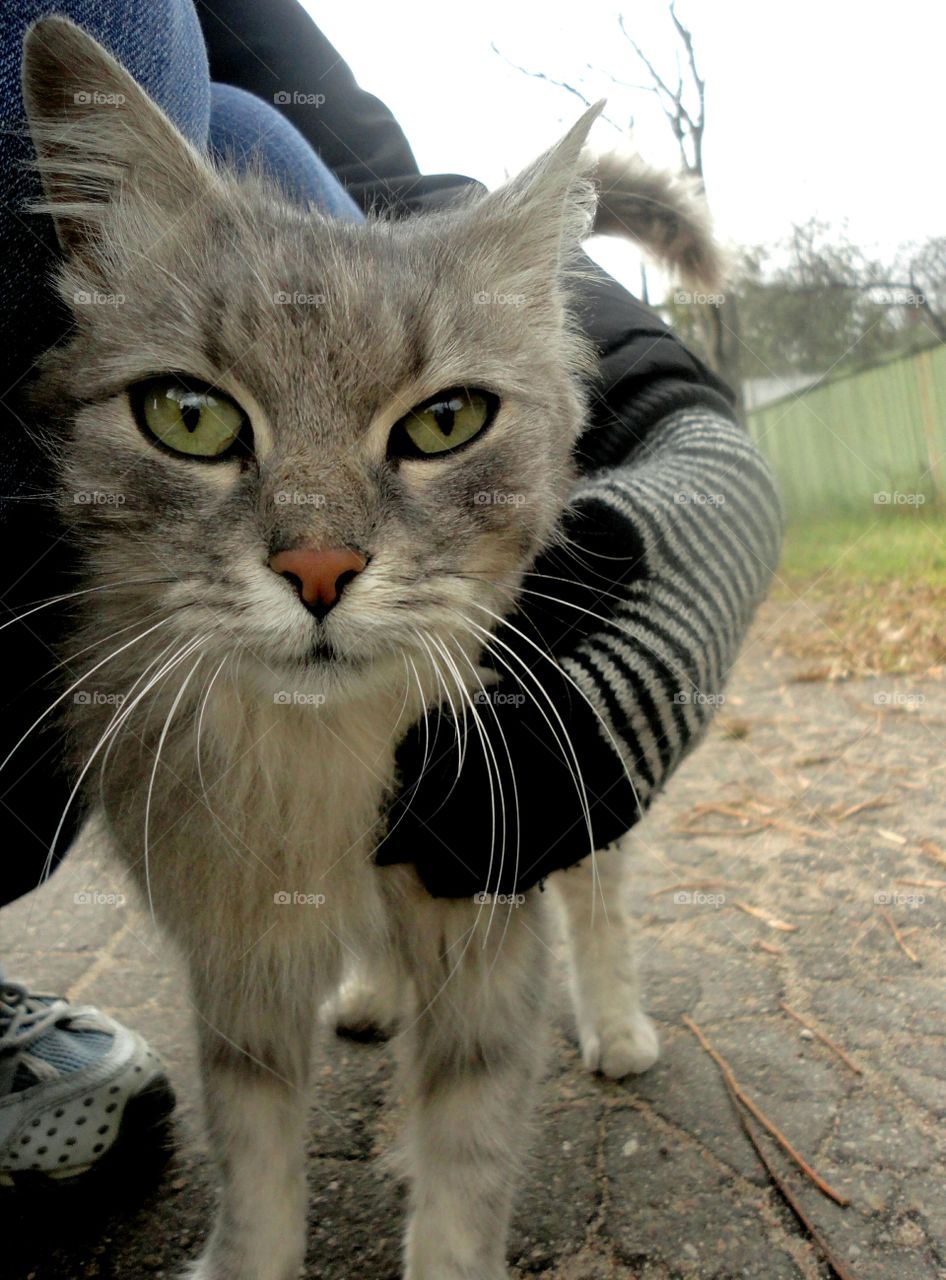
[(76, 1089)]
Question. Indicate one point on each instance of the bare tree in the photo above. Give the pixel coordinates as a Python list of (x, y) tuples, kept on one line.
[(686, 121), (814, 304), (683, 100), (682, 97)]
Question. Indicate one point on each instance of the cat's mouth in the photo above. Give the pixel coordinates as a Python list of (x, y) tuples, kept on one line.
[(323, 652)]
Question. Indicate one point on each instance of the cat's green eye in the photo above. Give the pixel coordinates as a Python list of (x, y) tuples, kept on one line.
[(187, 416), (443, 423)]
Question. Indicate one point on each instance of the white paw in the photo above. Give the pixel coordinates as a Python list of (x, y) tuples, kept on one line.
[(620, 1048), (438, 1273), (199, 1270), (359, 1009), (435, 1269), (209, 1267)]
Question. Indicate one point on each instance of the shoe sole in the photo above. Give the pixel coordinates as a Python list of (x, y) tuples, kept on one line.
[(144, 1143)]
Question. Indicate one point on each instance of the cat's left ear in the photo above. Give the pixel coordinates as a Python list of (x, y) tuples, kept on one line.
[(545, 212), (98, 136)]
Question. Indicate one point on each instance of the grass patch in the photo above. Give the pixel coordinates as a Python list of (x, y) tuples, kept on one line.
[(878, 589), (908, 547)]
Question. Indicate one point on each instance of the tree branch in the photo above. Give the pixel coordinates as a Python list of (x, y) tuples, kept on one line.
[(559, 84), (684, 126)]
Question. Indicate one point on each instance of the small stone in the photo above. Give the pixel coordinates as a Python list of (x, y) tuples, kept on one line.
[(805, 1034), (630, 1147), (690, 1250)]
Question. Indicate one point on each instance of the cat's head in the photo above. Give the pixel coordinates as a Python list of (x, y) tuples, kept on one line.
[(314, 441)]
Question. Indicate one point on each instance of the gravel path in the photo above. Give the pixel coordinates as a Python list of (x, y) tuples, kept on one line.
[(759, 884)]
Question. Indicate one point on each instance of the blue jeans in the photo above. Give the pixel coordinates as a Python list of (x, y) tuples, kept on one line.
[(161, 44)]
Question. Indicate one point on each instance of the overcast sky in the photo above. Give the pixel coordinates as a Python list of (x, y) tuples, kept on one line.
[(826, 108)]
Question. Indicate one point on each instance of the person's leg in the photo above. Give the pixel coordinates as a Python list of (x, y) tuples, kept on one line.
[(245, 131)]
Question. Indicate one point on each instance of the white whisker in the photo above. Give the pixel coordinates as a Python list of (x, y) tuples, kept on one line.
[(442, 684), (572, 763), (515, 793), (114, 724), (118, 720), (75, 685), (581, 693), (157, 759), (71, 595), (200, 723), (623, 627)]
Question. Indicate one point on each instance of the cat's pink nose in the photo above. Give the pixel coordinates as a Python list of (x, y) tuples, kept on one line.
[(318, 576)]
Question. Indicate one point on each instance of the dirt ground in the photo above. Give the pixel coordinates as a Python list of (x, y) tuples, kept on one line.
[(798, 859)]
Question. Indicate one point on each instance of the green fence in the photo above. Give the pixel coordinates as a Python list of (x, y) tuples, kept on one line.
[(877, 437)]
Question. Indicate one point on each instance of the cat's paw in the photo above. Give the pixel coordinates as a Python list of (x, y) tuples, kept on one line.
[(202, 1269), (620, 1047), (212, 1267), (444, 1269), (362, 1011), (413, 1273)]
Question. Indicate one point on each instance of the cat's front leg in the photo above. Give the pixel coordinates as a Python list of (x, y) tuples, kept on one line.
[(254, 1031), (471, 1059), (617, 1037)]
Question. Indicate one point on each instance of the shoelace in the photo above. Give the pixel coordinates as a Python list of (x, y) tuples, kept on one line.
[(25, 1017)]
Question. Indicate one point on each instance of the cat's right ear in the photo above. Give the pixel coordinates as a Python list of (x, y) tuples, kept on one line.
[(98, 136)]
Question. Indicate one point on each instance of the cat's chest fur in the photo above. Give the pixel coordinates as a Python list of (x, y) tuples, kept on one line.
[(304, 776), (271, 822)]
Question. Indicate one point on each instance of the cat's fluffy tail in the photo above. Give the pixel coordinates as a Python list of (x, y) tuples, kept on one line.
[(666, 213)]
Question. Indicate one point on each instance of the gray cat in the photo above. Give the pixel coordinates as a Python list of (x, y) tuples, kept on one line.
[(270, 448)]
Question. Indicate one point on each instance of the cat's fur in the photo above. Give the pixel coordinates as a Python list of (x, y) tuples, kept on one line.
[(223, 797)]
